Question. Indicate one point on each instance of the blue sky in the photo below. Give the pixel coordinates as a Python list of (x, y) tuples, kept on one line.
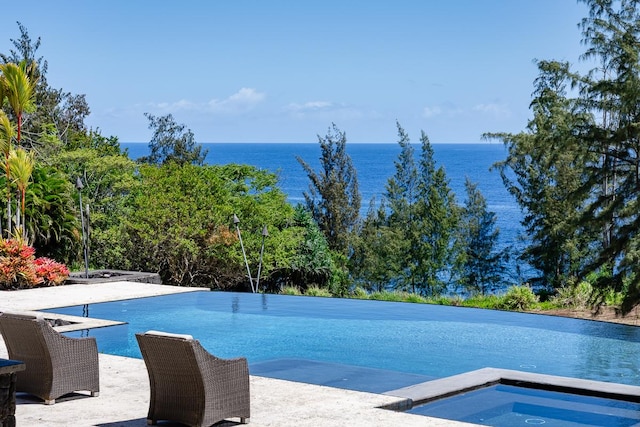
[(284, 70)]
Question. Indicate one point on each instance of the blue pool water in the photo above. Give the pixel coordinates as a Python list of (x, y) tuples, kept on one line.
[(426, 340), (511, 406)]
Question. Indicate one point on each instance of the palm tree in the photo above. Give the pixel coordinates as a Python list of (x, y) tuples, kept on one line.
[(21, 163), (18, 85), (7, 133)]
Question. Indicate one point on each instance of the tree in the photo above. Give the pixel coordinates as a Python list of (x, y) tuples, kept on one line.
[(25, 51), (312, 263), (437, 221), (482, 264), (57, 113), (21, 164), (423, 212), (400, 199), (612, 34), (109, 181), (7, 133), (17, 87), (172, 143), (180, 224), (376, 258), (545, 170), (586, 151), (52, 224), (333, 198), (19, 83)]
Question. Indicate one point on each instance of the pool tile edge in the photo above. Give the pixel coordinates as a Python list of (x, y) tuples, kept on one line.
[(448, 386)]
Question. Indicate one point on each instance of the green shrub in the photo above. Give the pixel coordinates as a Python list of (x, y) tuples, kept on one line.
[(316, 291), (614, 299), (442, 300), (518, 298), (415, 298), (491, 302), (546, 305), (387, 296), (359, 293), (574, 296), (290, 290)]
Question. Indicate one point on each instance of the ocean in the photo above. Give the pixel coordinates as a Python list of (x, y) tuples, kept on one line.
[(375, 165)]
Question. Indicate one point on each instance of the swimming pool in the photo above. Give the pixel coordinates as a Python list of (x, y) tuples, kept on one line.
[(418, 339), (508, 406)]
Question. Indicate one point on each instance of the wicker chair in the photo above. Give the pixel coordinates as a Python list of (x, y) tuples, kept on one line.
[(55, 364), (191, 386)]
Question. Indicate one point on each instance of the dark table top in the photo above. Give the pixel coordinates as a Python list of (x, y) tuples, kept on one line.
[(10, 366)]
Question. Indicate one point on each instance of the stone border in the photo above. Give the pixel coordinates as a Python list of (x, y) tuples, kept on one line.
[(429, 391), (105, 276), (70, 323)]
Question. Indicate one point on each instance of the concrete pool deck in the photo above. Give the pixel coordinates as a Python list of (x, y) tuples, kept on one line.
[(124, 385)]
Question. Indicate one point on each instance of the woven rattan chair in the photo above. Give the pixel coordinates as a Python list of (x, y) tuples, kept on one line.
[(55, 364), (191, 386)]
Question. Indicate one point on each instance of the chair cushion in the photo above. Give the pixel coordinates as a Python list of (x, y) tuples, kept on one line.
[(27, 316), (168, 334)]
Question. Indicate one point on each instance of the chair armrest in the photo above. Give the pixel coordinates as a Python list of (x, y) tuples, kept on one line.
[(231, 374), (83, 345)]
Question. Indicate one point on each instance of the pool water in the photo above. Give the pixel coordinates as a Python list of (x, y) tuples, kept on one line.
[(511, 406), (430, 341)]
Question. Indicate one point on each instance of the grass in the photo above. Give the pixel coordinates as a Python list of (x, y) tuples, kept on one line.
[(517, 298)]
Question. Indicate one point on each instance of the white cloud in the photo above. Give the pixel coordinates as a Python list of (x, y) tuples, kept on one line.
[(496, 110), (324, 110), (309, 107), (437, 111), (429, 112), (244, 100)]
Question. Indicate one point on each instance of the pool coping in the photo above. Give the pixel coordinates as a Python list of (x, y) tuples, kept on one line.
[(69, 323), (449, 386)]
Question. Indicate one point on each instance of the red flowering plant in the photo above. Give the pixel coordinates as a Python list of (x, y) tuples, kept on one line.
[(52, 273), (20, 269)]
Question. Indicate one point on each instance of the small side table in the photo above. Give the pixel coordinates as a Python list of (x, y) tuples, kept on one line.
[(8, 369)]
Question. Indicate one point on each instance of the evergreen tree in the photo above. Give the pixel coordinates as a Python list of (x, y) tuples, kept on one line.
[(422, 212), (401, 198), (580, 162), (312, 264), (482, 264), (437, 219), (172, 143), (376, 260), (333, 197), (612, 34), (544, 171)]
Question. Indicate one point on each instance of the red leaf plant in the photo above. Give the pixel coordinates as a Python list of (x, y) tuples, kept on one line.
[(20, 269)]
